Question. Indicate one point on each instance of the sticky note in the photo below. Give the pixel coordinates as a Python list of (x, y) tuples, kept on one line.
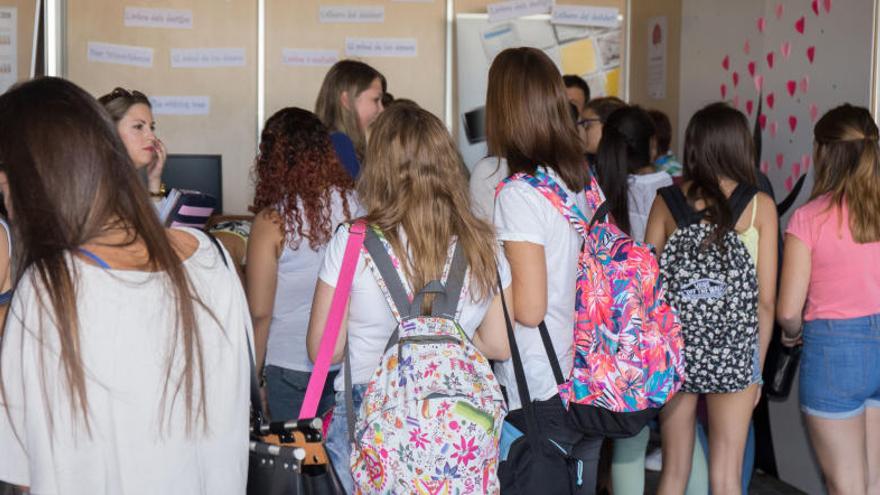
[(579, 57)]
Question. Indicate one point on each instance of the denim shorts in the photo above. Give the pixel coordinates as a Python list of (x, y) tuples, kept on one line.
[(286, 390), (839, 377), (338, 445)]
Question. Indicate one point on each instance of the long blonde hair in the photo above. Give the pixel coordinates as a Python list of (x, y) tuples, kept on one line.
[(413, 180), (848, 167), (353, 78)]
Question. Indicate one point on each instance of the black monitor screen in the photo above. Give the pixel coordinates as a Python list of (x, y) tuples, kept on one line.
[(475, 125), (196, 172)]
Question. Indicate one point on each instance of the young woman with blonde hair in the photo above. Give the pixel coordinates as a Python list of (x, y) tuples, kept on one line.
[(414, 191), (829, 299), (349, 101)]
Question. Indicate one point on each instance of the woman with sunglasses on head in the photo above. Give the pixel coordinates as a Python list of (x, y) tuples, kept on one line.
[(124, 359)]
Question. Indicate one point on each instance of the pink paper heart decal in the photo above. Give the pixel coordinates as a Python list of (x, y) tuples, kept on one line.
[(751, 67), (735, 102), (780, 159), (796, 169), (814, 112), (749, 105), (811, 53), (771, 98), (723, 91), (759, 83), (792, 123), (805, 84), (774, 128), (789, 184), (770, 60), (747, 47), (762, 121), (800, 24), (726, 62), (785, 49), (735, 77), (815, 6), (806, 161), (761, 24), (827, 5), (765, 167), (791, 86), (780, 9)]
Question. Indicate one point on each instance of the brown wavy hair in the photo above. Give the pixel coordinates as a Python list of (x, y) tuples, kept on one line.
[(848, 167), (414, 181), (296, 173)]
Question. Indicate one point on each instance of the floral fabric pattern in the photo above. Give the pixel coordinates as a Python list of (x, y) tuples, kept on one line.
[(627, 339)]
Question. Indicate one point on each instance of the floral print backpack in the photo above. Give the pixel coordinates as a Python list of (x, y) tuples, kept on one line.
[(627, 339), (432, 412)]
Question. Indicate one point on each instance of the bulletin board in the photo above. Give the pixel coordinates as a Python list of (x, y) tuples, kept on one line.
[(17, 23), (209, 98), (295, 32)]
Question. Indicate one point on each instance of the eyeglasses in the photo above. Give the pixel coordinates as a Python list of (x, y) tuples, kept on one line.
[(586, 122), (124, 93)]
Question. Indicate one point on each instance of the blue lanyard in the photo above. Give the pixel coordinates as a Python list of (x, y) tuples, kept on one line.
[(94, 257)]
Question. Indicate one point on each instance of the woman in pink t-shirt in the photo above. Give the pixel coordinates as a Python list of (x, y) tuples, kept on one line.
[(830, 299)]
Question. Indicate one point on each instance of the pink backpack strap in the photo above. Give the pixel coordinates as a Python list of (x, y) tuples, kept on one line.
[(334, 320)]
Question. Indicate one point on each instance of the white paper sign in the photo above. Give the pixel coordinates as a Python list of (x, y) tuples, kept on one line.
[(580, 15), (181, 105), (381, 47), (517, 8), (8, 43), (158, 18), (107, 53), (352, 14), (657, 34), (309, 58), (207, 57)]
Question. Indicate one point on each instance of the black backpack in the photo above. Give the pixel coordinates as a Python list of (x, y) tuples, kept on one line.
[(715, 290)]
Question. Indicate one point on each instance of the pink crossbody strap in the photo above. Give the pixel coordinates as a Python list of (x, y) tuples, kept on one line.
[(334, 320)]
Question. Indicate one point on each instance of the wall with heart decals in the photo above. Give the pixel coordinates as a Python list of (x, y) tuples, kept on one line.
[(783, 63)]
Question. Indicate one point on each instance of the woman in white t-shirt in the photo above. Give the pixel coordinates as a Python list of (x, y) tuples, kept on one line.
[(302, 194), (124, 359), (414, 188), (528, 124)]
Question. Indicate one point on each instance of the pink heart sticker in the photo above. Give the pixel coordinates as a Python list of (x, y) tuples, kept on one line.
[(780, 159), (747, 47), (735, 102), (789, 184), (827, 5), (791, 86), (761, 24), (774, 128), (780, 9), (765, 167), (726, 62), (759, 83), (770, 60), (735, 77), (811, 53), (800, 24), (762, 121), (792, 123), (771, 98), (751, 67), (814, 112), (806, 161), (723, 91), (815, 6), (796, 169), (749, 105), (785, 49), (805, 84)]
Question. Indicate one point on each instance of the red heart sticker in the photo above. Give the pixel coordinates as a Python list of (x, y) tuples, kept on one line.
[(780, 9), (796, 169), (752, 68), (791, 86), (771, 98), (774, 128), (806, 160), (735, 77), (726, 62), (747, 47), (785, 49), (800, 24), (761, 24), (827, 5), (770, 60), (815, 6), (789, 184), (735, 102), (805, 84), (792, 123), (749, 105), (780, 159), (723, 91), (814, 112), (762, 121), (811, 53), (759, 83), (765, 167)]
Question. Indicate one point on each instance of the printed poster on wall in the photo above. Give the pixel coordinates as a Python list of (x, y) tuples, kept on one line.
[(8, 49), (657, 34)]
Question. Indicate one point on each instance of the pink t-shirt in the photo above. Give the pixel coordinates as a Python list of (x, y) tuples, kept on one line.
[(845, 276)]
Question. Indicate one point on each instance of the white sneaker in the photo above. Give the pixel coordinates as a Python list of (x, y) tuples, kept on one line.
[(654, 460)]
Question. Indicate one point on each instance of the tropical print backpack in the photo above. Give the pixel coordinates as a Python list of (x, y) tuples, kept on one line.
[(627, 339), (432, 412), (715, 289)]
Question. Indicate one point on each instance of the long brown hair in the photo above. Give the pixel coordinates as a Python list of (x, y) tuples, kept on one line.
[(528, 119), (351, 77), (118, 101), (718, 145), (848, 167), (70, 181), (413, 179), (297, 172)]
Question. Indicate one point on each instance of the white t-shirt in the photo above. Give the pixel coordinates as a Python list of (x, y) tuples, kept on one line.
[(485, 176), (126, 320), (524, 214), (297, 275), (642, 191), (370, 322)]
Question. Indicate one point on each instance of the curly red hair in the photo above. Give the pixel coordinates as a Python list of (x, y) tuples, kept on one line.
[(296, 173)]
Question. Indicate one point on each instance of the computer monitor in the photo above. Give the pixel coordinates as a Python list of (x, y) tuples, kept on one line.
[(475, 125), (201, 173)]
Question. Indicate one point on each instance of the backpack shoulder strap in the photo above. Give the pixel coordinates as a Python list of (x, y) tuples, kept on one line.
[(681, 211), (557, 196), (392, 286), (447, 302), (740, 199)]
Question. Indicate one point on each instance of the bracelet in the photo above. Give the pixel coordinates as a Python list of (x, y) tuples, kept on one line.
[(161, 193)]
